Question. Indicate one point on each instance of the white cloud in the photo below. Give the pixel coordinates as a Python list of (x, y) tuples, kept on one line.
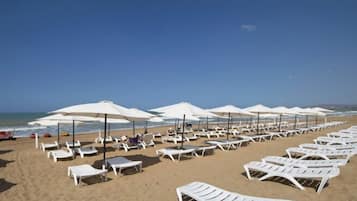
[(248, 27)]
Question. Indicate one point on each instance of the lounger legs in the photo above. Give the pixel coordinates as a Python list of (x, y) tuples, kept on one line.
[(322, 184), (179, 195)]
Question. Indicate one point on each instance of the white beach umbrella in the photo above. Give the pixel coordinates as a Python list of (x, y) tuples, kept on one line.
[(230, 111), (57, 119), (260, 109), (183, 111), (42, 123), (104, 109), (324, 110)]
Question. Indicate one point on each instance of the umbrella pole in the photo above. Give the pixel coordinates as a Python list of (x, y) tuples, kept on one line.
[(183, 130), (58, 132), (73, 136), (258, 124), (108, 130), (316, 120), (175, 124), (295, 121), (146, 127), (307, 121), (134, 128), (199, 122), (105, 142), (207, 123), (229, 117), (280, 123)]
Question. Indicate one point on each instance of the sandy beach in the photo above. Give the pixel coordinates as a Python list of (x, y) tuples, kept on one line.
[(27, 174)]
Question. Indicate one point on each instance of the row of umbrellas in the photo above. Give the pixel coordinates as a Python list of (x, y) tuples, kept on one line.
[(108, 112)]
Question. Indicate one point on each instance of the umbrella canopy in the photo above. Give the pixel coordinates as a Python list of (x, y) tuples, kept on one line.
[(299, 110), (66, 119), (114, 121), (57, 119), (156, 119), (230, 109), (324, 110), (183, 111), (261, 109), (106, 109), (310, 111), (42, 123), (284, 111), (101, 109), (183, 108)]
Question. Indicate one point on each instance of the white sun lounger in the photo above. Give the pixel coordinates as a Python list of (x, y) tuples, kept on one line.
[(325, 154), (329, 147), (175, 152), (123, 163), (200, 191), (208, 134), (342, 135), (86, 151), (101, 139), (190, 136), (333, 140), (45, 146), (291, 173), (69, 145), (148, 140), (175, 139), (60, 154), (257, 138), (227, 144), (82, 171), (200, 149), (291, 162)]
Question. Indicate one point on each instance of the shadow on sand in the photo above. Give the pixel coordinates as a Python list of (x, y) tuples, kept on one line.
[(3, 163), (5, 151), (4, 185)]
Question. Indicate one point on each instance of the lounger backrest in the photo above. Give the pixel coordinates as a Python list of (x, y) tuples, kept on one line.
[(148, 138)]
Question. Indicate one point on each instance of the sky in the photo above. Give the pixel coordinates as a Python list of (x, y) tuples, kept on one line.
[(147, 54)]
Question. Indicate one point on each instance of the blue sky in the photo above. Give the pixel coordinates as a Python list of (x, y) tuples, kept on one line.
[(152, 53)]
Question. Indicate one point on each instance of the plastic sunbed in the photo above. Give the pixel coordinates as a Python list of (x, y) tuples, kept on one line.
[(82, 171), (292, 173), (200, 191), (122, 163)]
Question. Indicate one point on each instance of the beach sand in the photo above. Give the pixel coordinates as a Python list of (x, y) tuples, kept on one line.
[(27, 174)]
